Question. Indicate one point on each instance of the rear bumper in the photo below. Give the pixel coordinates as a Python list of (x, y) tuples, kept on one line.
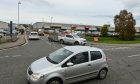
[(33, 38)]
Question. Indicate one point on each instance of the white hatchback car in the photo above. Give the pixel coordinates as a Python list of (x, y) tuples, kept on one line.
[(34, 35), (68, 65)]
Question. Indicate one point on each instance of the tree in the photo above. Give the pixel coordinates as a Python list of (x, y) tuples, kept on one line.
[(125, 25), (104, 30)]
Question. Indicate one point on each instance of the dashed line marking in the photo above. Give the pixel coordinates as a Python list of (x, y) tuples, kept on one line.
[(109, 59), (6, 56), (17, 55), (134, 55)]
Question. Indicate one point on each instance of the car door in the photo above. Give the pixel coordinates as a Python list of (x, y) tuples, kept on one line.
[(96, 62), (68, 39), (80, 69)]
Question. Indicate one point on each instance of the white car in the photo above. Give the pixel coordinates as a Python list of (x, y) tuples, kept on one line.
[(34, 35)]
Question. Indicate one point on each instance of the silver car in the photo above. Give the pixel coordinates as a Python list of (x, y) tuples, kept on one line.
[(67, 65)]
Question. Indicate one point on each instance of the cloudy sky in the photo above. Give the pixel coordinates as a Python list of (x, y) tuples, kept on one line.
[(94, 12)]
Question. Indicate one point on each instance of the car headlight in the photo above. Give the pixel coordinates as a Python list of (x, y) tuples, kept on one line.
[(36, 76)]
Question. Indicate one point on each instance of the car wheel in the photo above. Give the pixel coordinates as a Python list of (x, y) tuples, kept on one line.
[(76, 43), (49, 39), (27, 82), (55, 81), (102, 74), (61, 41)]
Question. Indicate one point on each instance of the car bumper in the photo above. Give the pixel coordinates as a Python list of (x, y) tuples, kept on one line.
[(33, 38), (83, 43), (30, 81)]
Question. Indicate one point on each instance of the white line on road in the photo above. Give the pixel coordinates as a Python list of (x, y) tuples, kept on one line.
[(109, 59), (6, 56), (17, 55), (134, 55)]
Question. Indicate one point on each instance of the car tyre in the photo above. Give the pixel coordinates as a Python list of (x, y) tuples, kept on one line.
[(76, 43), (28, 82), (55, 81), (102, 74), (61, 41)]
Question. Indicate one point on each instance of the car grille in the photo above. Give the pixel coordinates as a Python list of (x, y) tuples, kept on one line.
[(30, 71)]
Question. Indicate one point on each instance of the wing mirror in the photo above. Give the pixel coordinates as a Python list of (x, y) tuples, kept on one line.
[(69, 64)]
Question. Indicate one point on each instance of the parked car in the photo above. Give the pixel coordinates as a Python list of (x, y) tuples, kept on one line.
[(1, 35), (34, 35), (40, 32), (68, 65), (112, 34)]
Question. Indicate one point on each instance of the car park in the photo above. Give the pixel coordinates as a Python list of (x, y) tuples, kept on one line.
[(34, 36), (68, 65)]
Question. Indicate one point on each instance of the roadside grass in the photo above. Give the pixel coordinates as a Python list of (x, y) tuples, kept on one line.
[(113, 40)]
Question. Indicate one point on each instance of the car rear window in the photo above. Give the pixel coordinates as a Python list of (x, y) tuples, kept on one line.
[(95, 55)]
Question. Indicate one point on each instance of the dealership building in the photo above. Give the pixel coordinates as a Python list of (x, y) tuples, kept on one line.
[(47, 25)]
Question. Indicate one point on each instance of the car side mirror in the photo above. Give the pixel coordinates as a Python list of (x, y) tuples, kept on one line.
[(69, 64)]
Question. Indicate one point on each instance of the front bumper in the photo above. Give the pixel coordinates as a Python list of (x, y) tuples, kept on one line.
[(30, 81), (83, 43)]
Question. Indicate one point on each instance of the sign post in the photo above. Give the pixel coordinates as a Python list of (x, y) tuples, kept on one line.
[(11, 29)]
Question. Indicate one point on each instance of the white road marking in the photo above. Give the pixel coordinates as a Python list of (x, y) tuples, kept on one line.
[(134, 55), (116, 48), (109, 59), (17, 55), (6, 56)]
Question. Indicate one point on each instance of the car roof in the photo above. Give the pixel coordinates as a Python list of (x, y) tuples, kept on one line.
[(77, 49)]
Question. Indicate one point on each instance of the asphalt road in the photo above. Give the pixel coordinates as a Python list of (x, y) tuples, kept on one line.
[(124, 62)]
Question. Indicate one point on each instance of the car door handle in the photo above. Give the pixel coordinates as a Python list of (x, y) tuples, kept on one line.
[(89, 64)]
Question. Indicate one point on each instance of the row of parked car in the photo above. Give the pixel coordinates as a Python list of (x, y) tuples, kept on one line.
[(7, 32)]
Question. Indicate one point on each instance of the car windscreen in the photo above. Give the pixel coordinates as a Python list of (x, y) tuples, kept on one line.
[(34, 34), (59, 55), (76, 36)]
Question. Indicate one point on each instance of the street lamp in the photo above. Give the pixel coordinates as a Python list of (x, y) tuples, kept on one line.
[(18, 12), (51, 21)]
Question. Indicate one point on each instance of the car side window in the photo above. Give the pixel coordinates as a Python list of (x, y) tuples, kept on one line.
[(69, 36), (80, 58), (95, 55)]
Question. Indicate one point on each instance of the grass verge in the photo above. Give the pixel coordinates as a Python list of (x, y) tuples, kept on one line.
[(113, 40)]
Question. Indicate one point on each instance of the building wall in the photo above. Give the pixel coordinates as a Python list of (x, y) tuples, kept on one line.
[(3, 25)]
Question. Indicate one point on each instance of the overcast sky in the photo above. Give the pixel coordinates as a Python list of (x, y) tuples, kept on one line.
[(94, 12)]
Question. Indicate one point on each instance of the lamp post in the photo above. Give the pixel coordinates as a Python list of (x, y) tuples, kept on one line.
[(51, 20), (18, 12)]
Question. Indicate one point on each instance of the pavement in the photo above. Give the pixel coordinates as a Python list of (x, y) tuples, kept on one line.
[(21, 40)]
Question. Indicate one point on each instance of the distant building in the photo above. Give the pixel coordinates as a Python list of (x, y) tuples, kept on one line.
[(112, 29), (3, 25), (46, 25)]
